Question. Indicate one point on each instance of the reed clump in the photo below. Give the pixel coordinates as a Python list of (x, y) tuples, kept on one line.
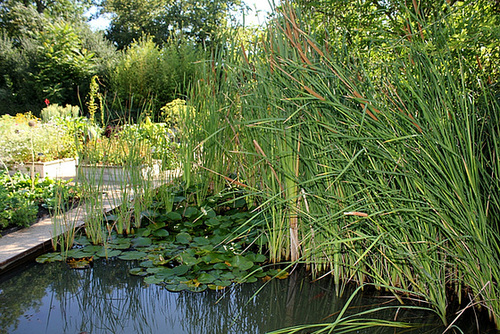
[(375, 172)]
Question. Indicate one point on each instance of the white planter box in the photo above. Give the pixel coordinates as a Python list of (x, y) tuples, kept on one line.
[(63, 168), (115, 174)]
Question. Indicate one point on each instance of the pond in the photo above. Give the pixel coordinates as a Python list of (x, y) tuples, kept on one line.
[(52, 298)]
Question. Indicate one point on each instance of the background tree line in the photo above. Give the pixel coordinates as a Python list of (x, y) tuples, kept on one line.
[(148, 54)]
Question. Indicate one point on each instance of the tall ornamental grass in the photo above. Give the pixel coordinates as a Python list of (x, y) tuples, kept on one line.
[(374, 172)]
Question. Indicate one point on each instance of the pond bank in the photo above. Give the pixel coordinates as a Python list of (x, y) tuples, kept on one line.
[(24, 245)]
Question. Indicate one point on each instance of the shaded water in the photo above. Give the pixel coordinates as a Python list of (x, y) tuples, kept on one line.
[(52, 298)]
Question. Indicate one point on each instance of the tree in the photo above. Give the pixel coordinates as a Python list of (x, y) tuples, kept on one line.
[(199, 20), (20, 18)]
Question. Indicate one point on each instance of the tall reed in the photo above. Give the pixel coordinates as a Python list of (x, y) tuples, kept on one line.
[(372, 172)]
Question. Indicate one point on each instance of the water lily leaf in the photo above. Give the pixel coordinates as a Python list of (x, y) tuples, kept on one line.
[(208, 212), (161, 233), (201, 241), (180, 270), (77, 253), (178, 199), (228, 276), (183, 238), (156, 226), (212, 222), (147, 264), (108, 252), (120, 243), (197, 288), (221, 265), (138, 272), (213, 258), (141, 242), (281, 274), (132, 255), (174, 216), (241, 262), (190, 211), (165, 273), (206, 278), (49, 258), (92, 248), (251, 279), (256, 257), (153, 280), (189, 259), (82, 240), (176, 287)]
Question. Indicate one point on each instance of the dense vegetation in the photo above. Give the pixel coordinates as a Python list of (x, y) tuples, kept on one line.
[(364, 134)]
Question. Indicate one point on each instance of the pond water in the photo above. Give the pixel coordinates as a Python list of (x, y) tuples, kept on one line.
[(52, 298)]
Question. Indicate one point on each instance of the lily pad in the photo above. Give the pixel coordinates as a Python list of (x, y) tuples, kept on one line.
[(132, 255), (120, 243), (153, 280), (201, 241), (49, 258), (241, 262), (180, 270), (78, 253), (256, 257), (206, 278), (212, 222), (141, 242), (176, 287), (174, 216), (183, 238), (161, 233), (190, 211), (108, 252), (138, 272)]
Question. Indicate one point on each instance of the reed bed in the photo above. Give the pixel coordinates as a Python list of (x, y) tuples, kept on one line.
[(378, 173)]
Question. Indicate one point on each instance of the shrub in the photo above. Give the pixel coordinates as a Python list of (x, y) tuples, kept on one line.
[(55, 110)]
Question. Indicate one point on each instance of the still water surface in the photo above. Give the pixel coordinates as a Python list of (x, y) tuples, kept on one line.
[(52, 298)]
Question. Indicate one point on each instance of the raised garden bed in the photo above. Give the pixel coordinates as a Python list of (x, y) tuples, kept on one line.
[(61, 168)]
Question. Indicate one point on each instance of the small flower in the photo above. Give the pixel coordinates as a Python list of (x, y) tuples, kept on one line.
[(47, 102)]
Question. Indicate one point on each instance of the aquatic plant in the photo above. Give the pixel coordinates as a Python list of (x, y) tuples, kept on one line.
[(371, 172)]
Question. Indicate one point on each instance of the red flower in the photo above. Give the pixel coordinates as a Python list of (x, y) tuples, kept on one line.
[(47, 102)]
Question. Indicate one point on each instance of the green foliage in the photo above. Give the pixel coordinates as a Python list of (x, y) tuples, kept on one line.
[(56, 111), (64, 64), (172, 112), (132, 144), (16, 210), (375, 164), (20, 200), (147, 74), (20, 142), (200, 21)]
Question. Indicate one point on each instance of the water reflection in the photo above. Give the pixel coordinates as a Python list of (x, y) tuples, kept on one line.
[(106, 299)]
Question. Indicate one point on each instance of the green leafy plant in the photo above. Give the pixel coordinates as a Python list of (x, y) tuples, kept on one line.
[(21, 198), (40, 142)]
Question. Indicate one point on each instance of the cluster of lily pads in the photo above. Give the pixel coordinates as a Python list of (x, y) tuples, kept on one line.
[(188, 247)]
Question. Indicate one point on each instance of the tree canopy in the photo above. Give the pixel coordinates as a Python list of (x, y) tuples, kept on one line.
[(198, 20)]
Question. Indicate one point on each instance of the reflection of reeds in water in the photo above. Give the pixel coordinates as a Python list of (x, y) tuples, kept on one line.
[(106, 299)]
